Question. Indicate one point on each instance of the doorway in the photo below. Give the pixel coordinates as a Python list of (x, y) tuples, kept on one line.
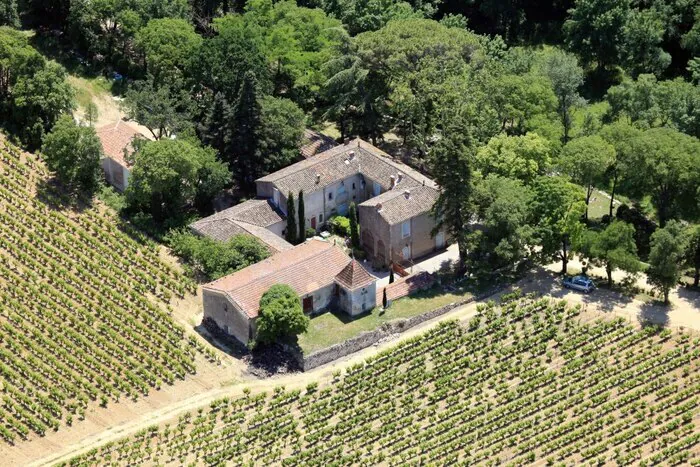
[(308, 304)]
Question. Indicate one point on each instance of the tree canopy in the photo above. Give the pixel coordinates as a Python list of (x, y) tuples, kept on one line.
[(280, 315), (168, 176), (73, 152)]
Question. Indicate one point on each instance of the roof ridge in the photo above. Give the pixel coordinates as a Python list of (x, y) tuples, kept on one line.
[(268, 261)]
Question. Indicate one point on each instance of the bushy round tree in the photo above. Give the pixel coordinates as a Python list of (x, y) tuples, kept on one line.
[(280, 315), (73, 152)]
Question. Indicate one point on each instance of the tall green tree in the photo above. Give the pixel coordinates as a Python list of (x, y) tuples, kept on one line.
[(39, 100), (170, 176), (558, 206), (666, 167), (291, 234), (623, 137), (595, 30), (522, 157), (451, 162), (302, 218), (566, 76), (665, 258), (230, 57), (9, 15), (278, 135), (164, 109), (354, 226), (614, 248), (692, 251), (297, 42), (643, 35), (503, 206), (245, 123), (587, 160), (73, 152), (167, 45), (280, 316)]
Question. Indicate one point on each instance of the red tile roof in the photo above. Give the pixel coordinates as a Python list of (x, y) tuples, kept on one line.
[(314, 143), (116, 138), (306, 268), (354, 276)]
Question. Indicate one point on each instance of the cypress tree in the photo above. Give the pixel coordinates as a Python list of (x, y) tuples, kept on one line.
[(302, 218), (291, 220), (354, 227), (384, 300), (391, 273), (245, 125)]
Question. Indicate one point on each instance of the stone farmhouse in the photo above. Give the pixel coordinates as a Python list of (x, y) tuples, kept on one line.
[(394, 201), (321, 273), (116, 139)]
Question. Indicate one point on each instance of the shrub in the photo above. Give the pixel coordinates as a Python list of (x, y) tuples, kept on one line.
[(340, 225), (310, 233), (280, 315), (215, 259)]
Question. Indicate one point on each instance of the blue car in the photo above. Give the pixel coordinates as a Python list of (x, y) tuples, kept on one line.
[(580, 283)]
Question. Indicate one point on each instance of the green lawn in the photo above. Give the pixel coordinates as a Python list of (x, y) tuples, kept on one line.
[(332, 328), (599, 205)]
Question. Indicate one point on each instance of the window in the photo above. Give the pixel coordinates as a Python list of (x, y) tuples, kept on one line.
[(406, 229), (320, 218), (353, 185), (330, 196)]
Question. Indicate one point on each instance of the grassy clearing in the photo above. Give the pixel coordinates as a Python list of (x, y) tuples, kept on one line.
[(332, 328)]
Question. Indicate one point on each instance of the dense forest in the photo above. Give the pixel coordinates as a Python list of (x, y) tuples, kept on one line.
[(521, 111)]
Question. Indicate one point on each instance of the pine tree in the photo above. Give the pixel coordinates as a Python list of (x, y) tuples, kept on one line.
[(245, 124), (354, 227), (291, 220), (8, 14), (215, 130), (302, 218)]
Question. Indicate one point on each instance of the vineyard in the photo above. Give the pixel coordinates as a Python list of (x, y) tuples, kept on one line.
[(531, 380), (84, 314)]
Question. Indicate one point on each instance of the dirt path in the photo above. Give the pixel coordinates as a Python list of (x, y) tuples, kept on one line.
[(324, 374), (120, 420)]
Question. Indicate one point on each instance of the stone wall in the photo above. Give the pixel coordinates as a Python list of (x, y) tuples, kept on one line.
[(368, 338)]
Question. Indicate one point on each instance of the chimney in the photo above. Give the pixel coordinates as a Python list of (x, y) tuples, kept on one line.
[(351, 155), (358, 143), (407, 194), (400, 177), (318, 178), (346, 141), (379, 207), (393, 182)]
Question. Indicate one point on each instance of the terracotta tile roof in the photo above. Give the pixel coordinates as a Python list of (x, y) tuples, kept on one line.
[(314, 143), (116, 138), (306, 268), (354, 276), (405, 286), (399, 205), (341, 162)]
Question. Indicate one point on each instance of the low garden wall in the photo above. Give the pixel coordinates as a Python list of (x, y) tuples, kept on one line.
[(368, 338)]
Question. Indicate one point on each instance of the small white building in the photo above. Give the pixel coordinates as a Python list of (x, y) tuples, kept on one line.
[(116, 139)]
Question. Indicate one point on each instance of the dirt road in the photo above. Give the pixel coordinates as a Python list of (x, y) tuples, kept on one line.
[(117, 421)]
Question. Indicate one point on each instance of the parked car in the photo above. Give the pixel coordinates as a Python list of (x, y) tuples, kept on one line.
[(580, 283)]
